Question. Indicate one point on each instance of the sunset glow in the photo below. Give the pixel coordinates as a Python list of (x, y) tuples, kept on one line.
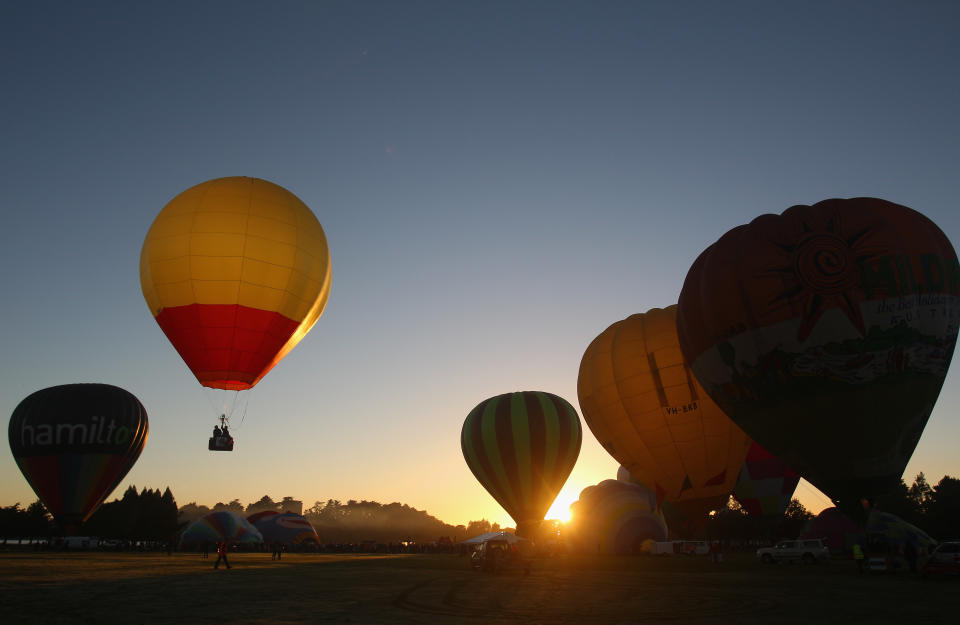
[(486, 222), (560, 509)]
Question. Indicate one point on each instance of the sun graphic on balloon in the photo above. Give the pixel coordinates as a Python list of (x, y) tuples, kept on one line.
[(821, 270)]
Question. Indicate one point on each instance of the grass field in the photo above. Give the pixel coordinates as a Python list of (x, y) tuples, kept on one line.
[(183, 588)]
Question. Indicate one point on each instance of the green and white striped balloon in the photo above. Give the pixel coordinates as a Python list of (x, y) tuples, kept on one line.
[(521, 447)]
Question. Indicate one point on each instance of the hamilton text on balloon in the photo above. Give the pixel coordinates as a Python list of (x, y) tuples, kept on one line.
[(98, 431)]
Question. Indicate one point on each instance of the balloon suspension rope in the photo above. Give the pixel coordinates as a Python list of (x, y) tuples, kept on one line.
[(227, 407), (246, 405)]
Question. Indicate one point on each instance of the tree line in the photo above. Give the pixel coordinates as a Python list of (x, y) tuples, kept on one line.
[(152, 515), (147, 515), (354, 521), (193, 511), (934, 509)]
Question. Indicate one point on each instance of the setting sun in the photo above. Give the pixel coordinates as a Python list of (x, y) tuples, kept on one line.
[(560, 509)]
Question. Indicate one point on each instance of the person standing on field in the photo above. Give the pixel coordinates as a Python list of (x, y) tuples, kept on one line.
[(858, 556), (222, 549)]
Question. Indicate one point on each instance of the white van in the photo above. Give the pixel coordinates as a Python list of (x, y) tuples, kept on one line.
[(79, 542)]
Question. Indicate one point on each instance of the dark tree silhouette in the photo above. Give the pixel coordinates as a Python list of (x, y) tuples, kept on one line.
[(944, 509), (266, 504), (191, 512), (233, 506), (32, 522), (144, 516)]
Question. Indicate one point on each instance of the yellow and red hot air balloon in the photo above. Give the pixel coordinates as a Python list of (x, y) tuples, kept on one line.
[(641, 401), (235, 271)]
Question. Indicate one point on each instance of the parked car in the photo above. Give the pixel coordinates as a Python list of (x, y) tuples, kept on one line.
[(807, 550), (945, 560)]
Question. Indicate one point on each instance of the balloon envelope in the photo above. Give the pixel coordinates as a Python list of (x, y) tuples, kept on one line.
[(643, 404), (521, 447), (897, 533), (235, 271), (829, 341), (75, 443), (616, 517), (218, 526), (256, 516), (838, 530), (288, 528), (765, 485)]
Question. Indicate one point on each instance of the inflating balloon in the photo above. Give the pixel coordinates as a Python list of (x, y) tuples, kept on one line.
[(521, 447), (616, 517), (898, 534), (765, 485), (836, 529), (222, 525), (287, 528), (826, 333), (235, 271), (643, 404), (257, 516), (75, 443)]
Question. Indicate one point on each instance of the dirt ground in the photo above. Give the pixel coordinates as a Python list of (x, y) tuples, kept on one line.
[(425, 589)]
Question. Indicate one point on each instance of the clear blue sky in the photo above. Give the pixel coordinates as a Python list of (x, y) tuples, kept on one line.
[(498, 183)]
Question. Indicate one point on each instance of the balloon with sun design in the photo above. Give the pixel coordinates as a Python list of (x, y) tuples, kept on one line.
[(826, 333)]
